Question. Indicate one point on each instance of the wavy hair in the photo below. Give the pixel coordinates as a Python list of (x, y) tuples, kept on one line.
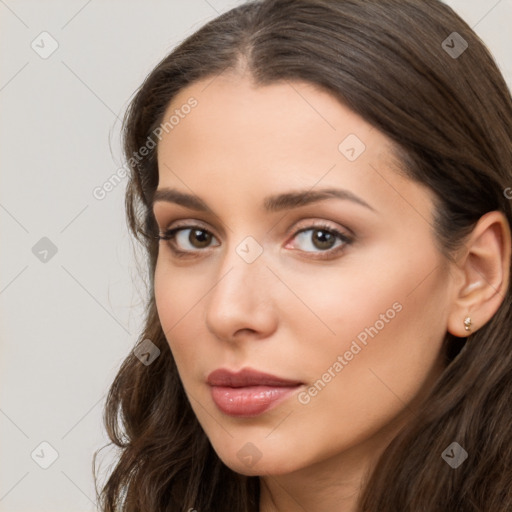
[(450, 119)]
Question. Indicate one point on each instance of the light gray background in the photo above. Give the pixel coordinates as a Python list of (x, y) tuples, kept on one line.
[(67, 323)]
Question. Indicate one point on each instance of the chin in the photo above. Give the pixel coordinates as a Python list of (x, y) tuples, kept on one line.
[(257, 464)]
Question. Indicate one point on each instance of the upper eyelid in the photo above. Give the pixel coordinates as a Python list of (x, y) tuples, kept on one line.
[(186, 221), (310, 224), (184, 225), (318, 224)]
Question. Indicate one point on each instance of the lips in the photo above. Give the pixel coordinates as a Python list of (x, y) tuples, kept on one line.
[(248, 392)]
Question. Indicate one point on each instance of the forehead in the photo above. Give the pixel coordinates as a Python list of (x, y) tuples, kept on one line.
[(282, 112), (262, 139)]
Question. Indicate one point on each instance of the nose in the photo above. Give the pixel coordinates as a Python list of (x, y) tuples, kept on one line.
[(241, 303)]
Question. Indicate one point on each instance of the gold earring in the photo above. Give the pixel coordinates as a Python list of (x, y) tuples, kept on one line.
[(467, 323)]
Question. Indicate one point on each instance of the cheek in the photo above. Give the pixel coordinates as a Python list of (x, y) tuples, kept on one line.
[(178, 298), (389, 333), (372, 294)]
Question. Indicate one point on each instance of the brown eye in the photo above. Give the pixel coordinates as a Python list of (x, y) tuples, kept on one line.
[(199, 238), (320, 239), (323, 239), (188, 239)]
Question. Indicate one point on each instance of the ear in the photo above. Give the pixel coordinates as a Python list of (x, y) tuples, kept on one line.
[(484, 268)]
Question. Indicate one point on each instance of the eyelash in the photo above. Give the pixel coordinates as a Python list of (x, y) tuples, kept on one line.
[(170, 237)]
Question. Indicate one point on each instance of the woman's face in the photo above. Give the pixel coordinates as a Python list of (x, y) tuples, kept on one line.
[(307, 306)]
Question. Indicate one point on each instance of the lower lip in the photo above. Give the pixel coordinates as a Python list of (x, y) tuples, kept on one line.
[(251, 400)]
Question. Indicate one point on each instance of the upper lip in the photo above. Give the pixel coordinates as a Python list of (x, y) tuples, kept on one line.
[(247, 377)]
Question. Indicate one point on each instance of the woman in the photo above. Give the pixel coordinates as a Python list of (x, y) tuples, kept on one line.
[(321, 189)]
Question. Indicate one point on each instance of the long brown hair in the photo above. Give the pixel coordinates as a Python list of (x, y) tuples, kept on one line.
[(450, 117)]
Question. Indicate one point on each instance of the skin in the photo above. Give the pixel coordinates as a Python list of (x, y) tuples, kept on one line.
[(290, 313)]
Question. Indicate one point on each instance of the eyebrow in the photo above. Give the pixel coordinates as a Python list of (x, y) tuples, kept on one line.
[(273, 203)]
